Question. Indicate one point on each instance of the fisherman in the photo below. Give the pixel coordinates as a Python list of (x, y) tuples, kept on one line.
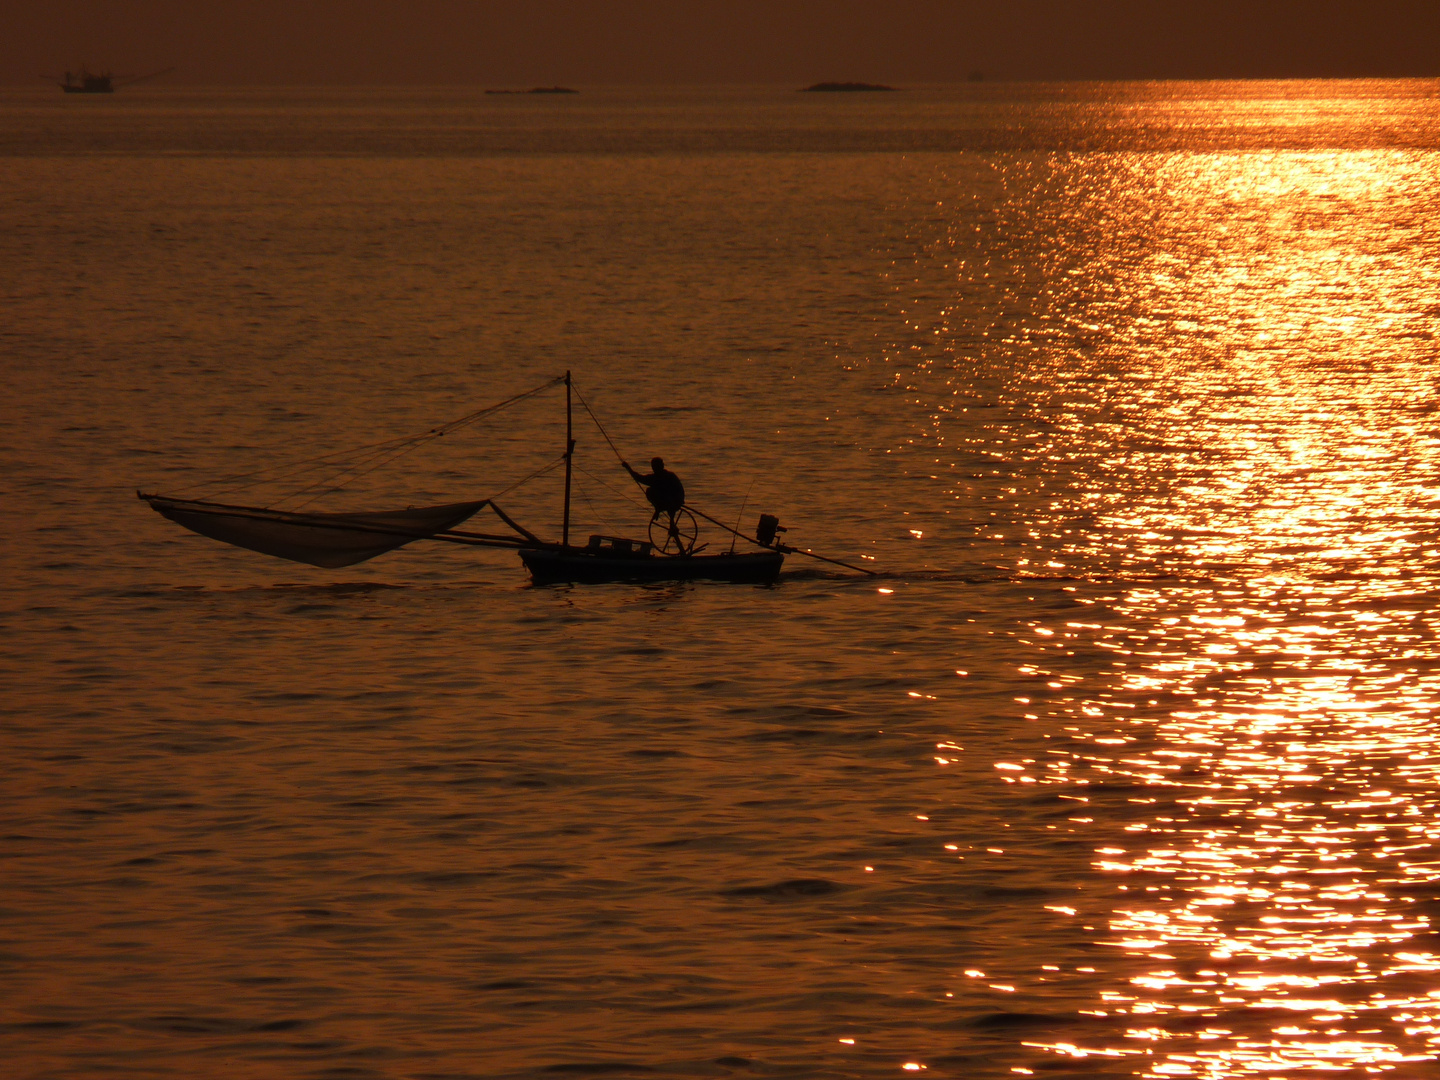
[(663, 489)]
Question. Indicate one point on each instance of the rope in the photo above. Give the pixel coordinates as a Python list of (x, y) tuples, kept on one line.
[(274, 473), (355, 471), (338, 480), (740, 517), (533, 476), (609, 487), (358, 457), (598, 425), (599, 518)]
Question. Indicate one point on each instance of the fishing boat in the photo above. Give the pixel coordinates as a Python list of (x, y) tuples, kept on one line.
[(672, 550), (607, 558), (85, 81)]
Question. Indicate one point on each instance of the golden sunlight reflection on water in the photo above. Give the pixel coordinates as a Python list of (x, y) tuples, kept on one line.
[(1237, 433), (1125, 764), (1280, 860)]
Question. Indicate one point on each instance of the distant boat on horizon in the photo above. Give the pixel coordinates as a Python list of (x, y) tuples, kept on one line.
[(85, 81), (844, 87)]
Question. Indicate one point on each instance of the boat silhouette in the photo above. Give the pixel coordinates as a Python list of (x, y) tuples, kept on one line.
[(671, 551), (85, 81)]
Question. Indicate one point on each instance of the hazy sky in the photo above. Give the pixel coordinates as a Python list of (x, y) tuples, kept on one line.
[(526, 42)]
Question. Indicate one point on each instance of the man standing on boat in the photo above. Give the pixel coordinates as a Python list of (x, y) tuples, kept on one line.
[(663, 489)]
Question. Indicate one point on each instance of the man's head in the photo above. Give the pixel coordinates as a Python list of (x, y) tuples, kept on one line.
[(657, 463)]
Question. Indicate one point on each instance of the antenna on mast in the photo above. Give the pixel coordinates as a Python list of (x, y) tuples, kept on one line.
[(569, 456)]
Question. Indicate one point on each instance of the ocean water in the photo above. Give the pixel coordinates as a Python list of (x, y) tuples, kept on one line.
[(1124, 764)]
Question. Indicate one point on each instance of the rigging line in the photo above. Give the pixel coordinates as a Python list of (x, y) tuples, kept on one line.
[(289, 470), (355, 471), (396, 448), (740, 517), (274, 473), (341, 479), (367, 464), (480, 413), (586, 496), (352, 472), (609, 487), (336, 456), (539, 472), (534, 475), (347, 461), (352, 466), (599, 425)]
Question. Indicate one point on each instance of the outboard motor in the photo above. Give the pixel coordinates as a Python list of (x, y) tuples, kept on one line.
[(767, 528)]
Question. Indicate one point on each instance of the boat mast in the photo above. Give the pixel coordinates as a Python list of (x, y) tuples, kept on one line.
[(569, 454)]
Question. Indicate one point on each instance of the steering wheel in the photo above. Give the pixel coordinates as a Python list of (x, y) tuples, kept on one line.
[(674, 539)]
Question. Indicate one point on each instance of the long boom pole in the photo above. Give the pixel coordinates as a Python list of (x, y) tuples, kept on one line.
[(569, 456), (784, 548)]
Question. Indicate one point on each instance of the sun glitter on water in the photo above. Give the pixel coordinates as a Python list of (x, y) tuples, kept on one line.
[(1214, 411), (1274, 707)]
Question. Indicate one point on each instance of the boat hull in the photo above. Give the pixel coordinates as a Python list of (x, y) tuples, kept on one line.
[(550, 566)]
